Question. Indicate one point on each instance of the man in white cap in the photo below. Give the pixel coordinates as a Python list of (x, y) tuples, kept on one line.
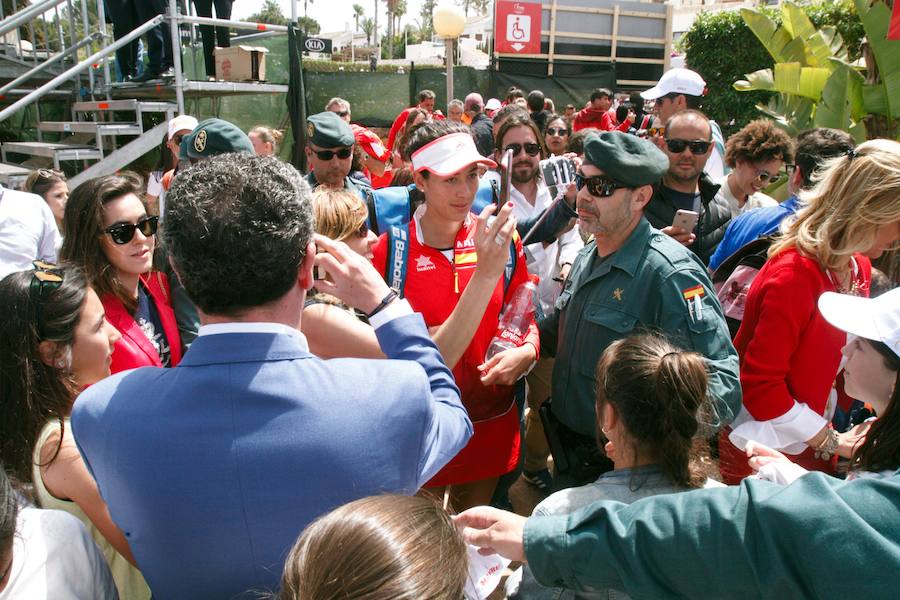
[(159, 182), (677, 90), (492, 105)]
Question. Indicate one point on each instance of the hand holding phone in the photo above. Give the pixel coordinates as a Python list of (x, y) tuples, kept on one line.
[(686, 219)]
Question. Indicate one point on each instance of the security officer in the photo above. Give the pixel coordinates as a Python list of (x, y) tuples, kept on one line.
[(630, 276), (213, 137), (329, 150)]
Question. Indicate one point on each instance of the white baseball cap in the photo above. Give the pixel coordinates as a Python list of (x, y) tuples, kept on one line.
[(871, 318), (181, 123), (677, 80), (448, 155), (492, 104)]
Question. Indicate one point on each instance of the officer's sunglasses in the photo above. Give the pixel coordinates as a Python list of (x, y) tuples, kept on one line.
[(531, 149), (326, 155), (599, 185), (677, 146), (122, 233)]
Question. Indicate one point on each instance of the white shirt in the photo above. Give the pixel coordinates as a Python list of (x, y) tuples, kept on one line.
[(27, 231), (54, 558), (757, 200), (546, 262)]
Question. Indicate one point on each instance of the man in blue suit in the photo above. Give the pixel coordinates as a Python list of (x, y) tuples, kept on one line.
[(212, 468)]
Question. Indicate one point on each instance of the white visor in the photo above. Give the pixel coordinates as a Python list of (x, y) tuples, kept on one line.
[(871, 318), (449, 155)]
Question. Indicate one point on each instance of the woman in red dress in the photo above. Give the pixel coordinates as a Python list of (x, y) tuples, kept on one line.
[(440, 264)]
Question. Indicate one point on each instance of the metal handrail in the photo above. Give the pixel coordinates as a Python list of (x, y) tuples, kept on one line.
[(49, 62), (25, 15), (232, 23), (85, 64)]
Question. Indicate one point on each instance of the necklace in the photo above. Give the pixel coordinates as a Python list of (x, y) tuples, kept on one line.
[(855, 287)]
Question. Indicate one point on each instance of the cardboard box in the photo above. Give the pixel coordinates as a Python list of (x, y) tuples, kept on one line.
[(241, 63)]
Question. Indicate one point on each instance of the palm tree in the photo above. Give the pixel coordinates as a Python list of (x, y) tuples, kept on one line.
[(375, 27), (358, 12), (306, 14), (368, 26)]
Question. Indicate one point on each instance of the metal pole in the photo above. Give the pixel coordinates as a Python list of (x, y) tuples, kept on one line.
[(72, 38), (176, 54), (86, 23), (294, 11), (101, 16), (37, 69), (27, 14), (448, 50)]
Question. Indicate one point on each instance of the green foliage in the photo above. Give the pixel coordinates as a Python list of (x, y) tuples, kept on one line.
[(269, 13), (722, 48), (308, 25)]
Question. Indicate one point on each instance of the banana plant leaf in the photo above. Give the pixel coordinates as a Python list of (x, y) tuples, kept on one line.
[(841, 105), (876, 19), (792, 78), (773, 38), (763, 79)]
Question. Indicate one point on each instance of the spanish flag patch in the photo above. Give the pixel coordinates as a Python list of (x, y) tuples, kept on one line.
[(695, 292), (695, 308)]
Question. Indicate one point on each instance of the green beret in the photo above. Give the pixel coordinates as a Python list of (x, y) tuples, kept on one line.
[(327, 130), (626, 158), (215, 136)]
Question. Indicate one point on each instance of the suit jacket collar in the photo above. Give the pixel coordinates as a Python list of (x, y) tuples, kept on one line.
[(225, 348)]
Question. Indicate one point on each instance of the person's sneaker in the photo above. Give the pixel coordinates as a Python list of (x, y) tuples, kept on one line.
[(149, 75), (542, 479), (167, 73)]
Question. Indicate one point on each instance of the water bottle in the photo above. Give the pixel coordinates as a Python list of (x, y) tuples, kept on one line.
[(517, 315)]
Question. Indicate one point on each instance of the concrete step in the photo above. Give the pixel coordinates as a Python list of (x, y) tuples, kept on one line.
[(122, 105), (91, 127), (13, 176), (58, 152)]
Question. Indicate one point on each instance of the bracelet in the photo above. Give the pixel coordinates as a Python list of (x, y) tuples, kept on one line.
[(390, 297), (828, 447)]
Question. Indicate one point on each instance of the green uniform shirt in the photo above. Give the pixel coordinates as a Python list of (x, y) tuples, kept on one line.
[(651, 282), (351, 186), (819, 537)]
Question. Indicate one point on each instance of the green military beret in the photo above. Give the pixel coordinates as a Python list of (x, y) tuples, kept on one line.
[(327, 130), (626, 158), (215, 136)]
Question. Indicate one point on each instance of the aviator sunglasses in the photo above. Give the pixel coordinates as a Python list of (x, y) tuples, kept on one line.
[(677, 146), (343, 153), (599, 185), (531, 149), (122, 233)]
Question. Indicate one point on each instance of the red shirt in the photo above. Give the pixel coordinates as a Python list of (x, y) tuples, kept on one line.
[(433, 287), (788, 351), (598, 119)]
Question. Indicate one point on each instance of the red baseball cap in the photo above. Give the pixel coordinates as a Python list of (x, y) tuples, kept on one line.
[(369, 141)]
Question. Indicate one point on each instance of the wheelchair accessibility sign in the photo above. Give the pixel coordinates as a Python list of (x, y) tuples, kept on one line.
[(519, 27)]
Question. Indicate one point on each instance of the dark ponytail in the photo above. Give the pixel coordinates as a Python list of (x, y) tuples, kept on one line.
[(660, 395)]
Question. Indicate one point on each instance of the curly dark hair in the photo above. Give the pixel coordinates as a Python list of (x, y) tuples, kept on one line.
[(236, 230), (759, 141)]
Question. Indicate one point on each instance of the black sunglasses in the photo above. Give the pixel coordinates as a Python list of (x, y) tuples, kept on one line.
[(531, 149), (599, 185), (343, 153), (176, 139), (341, 113), (122, 233), (557, 131), (363, 230), (677, 146)]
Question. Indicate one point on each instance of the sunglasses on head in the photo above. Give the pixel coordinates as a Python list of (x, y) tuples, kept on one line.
[(556, 131), (343, 153), (122, 233), (46, 277), (531, 149), (677, 146), (599, 185)]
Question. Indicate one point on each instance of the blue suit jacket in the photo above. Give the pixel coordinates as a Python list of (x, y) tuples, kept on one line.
[(213, 468)]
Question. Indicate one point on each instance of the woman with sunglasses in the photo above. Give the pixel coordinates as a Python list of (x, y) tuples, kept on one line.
[(789, 352), (756, 154), (55, 341), (53, 188), (556, 135), (110, 236), (443, 269)]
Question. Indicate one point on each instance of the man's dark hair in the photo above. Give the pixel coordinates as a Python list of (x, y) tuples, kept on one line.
[(601, 93), (693, 102), (426, 95), (535, 100), (514, 93), (508, 111), (815, 146), (237, 227), (428, 132)]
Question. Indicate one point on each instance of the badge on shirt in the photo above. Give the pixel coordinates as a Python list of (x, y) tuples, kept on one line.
[(693, 296)]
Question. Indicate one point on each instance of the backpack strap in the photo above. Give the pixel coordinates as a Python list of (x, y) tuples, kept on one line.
[(398, 257)]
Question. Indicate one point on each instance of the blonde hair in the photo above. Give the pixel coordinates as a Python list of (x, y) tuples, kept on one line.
[(269, 135), (338, 213), (854, 194), (379, 548)]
